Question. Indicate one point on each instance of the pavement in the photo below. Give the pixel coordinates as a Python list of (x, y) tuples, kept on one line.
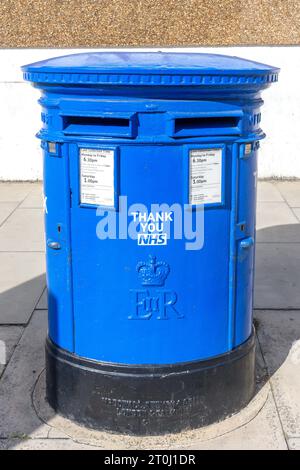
[(271, 421)]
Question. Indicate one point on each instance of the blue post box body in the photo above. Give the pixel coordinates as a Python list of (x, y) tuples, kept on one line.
[(149, 196)]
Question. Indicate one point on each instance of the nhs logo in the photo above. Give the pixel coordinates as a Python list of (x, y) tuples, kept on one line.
[(152, 239)]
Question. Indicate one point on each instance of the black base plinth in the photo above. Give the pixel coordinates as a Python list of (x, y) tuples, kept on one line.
[(149, 400)]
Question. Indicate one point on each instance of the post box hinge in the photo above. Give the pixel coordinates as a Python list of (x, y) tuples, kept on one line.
[(52, 148), (240, 230), (247, 148)]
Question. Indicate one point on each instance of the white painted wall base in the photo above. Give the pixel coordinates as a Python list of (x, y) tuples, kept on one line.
[(20, 155)]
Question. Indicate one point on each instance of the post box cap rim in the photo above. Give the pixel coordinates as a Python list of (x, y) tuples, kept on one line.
[(150, 68)]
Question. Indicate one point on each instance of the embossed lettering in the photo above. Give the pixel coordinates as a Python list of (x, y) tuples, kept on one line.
[(146, 303)]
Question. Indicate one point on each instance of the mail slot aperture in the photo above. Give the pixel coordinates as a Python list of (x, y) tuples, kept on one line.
[(106, 126), (206, 125)]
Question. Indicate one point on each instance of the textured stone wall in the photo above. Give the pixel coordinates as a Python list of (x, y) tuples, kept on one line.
[(101, 23)]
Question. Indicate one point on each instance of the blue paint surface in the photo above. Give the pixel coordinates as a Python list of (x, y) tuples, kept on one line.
[(114, 300)]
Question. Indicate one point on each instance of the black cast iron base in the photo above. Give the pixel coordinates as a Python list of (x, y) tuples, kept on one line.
[(148, 400)]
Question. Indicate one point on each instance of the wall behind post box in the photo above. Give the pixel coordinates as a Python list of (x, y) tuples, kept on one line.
[(20, 156)]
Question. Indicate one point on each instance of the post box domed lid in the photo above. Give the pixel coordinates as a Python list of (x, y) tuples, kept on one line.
[(150, 68)]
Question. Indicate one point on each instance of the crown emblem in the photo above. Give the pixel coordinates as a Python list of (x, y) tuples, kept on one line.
[(152, 272)]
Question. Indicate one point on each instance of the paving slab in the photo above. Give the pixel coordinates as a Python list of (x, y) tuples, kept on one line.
[(294, 443), (262, 433), (23, 231), (277, 276), (43, 302), (34, 198), (22, 281), (276, 222), (6, 208), (14, 192), (279, 336), (44, 444), (296, 211), (4, 444), (268, 192), (290, 190), (17, 416), (47, 444), (9, 337)]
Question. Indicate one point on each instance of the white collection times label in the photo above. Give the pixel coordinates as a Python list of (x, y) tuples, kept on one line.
[(97, 177), (205, 181)]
